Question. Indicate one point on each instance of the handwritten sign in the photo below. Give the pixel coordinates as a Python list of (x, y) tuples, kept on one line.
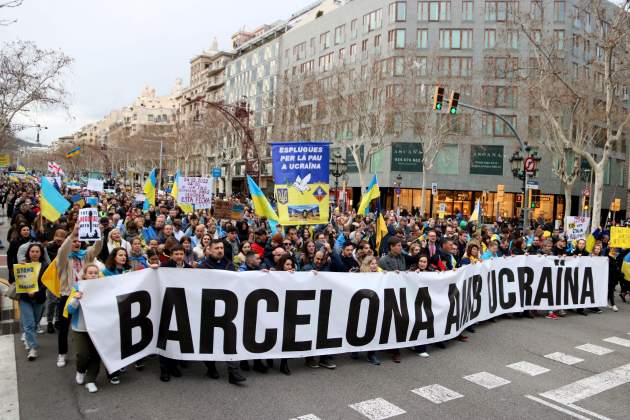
[(89, 227), (26, 276), (222, 209), (577, 227), (196, 191), (95, 185), (619, 237)]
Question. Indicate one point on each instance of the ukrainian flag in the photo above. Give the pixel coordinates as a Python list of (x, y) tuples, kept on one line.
[(52, 205), (74, 152), (381, 230), (149, 190), (187, 208), (372, 193), (262, 207), (476, 214), (50, 278), (625, 267)]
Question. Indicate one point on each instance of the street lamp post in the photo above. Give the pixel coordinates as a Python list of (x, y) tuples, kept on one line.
[(398, 184), (338, 168), (517, 161)]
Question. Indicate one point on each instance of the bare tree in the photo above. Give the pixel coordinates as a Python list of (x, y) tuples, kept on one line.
[(30, 76), (584, 106), (7, 5)]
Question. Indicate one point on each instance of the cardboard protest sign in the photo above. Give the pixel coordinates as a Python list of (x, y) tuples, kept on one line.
[(26, 276), (89, 225), (196, 191), (95, 185), (222, 209), (577, 227), (619, 237), (237, 211)]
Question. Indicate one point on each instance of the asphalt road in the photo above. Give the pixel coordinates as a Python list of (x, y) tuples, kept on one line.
[(45, 389)]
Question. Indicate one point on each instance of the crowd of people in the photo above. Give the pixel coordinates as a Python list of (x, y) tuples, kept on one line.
[(164, 236)]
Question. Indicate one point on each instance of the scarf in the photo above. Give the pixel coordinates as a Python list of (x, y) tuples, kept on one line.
[(80, 254)]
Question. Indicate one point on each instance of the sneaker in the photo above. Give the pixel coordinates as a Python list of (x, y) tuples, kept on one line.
[(80, 378), (327, 362), (40, 330), (114, 380), (26, 347), (123, 369), (562, 313), (423, 354), (551, 315), (32, 354), (139, 365), (51, 328), (23, 337), (614, 308), (61, 360), (91, 387), (373, 359), (310, 362)]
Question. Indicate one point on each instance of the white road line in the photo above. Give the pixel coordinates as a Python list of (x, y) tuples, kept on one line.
[(307, 417), (558, 408), (585, 411), (590, 386), (9, 403), (437, 393), (528, 368), (592, 348), (377, 409), (486, 380), (567, 359), (619, 341)]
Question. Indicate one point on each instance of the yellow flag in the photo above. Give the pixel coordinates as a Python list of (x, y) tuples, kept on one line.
[(381, 231), (50, 278), (73, 294), (590, 243)]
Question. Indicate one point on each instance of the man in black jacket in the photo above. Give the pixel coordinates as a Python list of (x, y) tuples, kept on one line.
[(344, 262), (217, 261)]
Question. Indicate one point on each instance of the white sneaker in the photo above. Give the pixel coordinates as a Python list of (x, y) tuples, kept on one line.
[(32, 354), (80, 378), (40, 330), (61, 360), (23, 337), (423, 354), (614, 308), (91, 387)]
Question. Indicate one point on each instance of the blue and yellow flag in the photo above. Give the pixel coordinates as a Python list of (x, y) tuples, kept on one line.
[(50, 278), (262, 207), (187, 208), (381, 230), (53, 204), (476, 214), (74, 152), (625, 267), (373, 192), (150, 190)]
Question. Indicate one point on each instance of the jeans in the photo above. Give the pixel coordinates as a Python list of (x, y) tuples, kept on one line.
[(51, 307), (30, 313), (64, 326)]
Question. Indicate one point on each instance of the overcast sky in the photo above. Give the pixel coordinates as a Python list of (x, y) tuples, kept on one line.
[(119, 46)]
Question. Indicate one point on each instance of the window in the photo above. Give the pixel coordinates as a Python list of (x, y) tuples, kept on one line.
[(468, 10), (325, 62), (397, 12), (421, 64), (537, 10), (434, 11), (501, 67), (512, 39), (342, 55), (399, 66), (312, 47), (364, 45), (340, 34), (299, 51), (558, 39), (499, 96), (577, 45), (396, 38), (455, 66), (559, 7), (493, 126), (324, 40), (353, 52), (150, 117), (500, 11), (307, 67), (533, 128), (423, 38), (455, 39), (490, 38), (372, 21), (353, 29), (377, 41), (537, 37)]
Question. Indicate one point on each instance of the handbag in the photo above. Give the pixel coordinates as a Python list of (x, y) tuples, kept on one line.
[(11, 292)]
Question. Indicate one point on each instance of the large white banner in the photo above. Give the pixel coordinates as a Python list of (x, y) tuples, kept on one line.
[(194, 314)]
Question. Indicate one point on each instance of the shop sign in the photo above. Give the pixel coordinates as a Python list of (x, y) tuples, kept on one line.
[(486, 160), (406, 157)]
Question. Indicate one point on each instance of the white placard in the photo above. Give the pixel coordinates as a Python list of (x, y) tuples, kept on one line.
[(189, 314), (89, 225), (577, 227), (196, 191), (95, 185)]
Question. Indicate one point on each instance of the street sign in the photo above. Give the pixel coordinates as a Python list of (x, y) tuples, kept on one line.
[(216, 172), (530, 164), (533, 185), (434, 188), (442, 207), (397, 190)]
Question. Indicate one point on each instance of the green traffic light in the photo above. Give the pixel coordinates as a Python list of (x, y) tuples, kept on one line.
[(438, 106), (453, 111)]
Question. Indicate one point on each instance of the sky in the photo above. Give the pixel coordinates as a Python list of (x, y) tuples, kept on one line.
[(119, 46)]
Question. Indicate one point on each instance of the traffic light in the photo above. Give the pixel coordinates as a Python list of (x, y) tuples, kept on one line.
[(587, 201), (453, 103), (535, 204), (438, 98)]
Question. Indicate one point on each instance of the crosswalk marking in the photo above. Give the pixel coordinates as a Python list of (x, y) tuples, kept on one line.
[(486, 380), (617, 340), (592, 348), (437, 393), (377, 409), (567, 359), (528, 368), (307, 417)]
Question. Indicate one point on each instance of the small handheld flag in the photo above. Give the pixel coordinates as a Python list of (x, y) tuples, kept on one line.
[(373, 192), (262, 207), (149, 190), (74, 152)]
